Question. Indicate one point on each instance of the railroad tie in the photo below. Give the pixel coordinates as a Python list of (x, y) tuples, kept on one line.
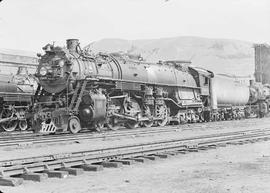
[(212, 146), (240, 143), (151, 157), (221, 145), (172, 153), (125, 161), (163, 156), (193, 149), (111, 164), (37, 177), (72, 171), (56, 173), (231, 143), (139, 159), (203, 148), (8, 181), (182, 151), (92, 167)]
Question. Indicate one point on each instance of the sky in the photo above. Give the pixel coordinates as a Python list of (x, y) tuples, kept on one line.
[(30, 24)]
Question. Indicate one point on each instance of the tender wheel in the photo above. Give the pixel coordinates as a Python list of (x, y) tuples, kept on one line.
[(74, 125), (23, 125), (8, 125)]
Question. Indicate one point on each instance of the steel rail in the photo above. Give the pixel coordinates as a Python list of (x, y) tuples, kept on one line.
[(28, 133), (18, 141), (18, 137), (54, 139)]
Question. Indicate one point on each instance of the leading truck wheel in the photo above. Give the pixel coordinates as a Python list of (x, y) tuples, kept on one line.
[(74, 125)]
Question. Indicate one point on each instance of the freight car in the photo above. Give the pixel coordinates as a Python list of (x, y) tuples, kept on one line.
[(77, 89)]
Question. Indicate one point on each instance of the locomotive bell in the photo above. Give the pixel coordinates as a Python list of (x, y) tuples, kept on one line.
[(72, 44)]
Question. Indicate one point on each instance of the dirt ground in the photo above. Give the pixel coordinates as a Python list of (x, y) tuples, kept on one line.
[(231, 169)]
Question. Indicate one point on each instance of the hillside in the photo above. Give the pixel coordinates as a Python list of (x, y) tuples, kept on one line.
[(219, 55)]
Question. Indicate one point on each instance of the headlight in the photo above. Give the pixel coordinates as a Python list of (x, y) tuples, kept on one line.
[(61, 63), (43, 71)]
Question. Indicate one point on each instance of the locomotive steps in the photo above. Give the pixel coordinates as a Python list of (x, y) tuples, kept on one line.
[(13, 172)]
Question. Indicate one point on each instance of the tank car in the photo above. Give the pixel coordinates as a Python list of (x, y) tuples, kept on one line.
[(78, 90)]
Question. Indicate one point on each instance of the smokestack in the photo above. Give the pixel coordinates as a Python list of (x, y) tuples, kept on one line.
[(72, 44)]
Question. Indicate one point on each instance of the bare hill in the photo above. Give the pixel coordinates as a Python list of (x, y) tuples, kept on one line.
[(219, 55)]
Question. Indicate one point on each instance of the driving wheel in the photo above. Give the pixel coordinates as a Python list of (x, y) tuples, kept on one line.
[(11, 124)]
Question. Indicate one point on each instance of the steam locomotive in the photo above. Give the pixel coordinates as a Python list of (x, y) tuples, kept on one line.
[(79, 90), (16, 92)]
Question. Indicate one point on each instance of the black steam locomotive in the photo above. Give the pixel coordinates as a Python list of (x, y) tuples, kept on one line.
[(16, 93), (80, 90)]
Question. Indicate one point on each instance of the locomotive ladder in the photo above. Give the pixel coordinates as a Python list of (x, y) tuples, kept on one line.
[(77, 96)]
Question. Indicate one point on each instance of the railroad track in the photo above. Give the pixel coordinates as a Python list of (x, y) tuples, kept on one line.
[(25, 139), (28, 140), (52, 139), (12, 172), (30, 134)]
